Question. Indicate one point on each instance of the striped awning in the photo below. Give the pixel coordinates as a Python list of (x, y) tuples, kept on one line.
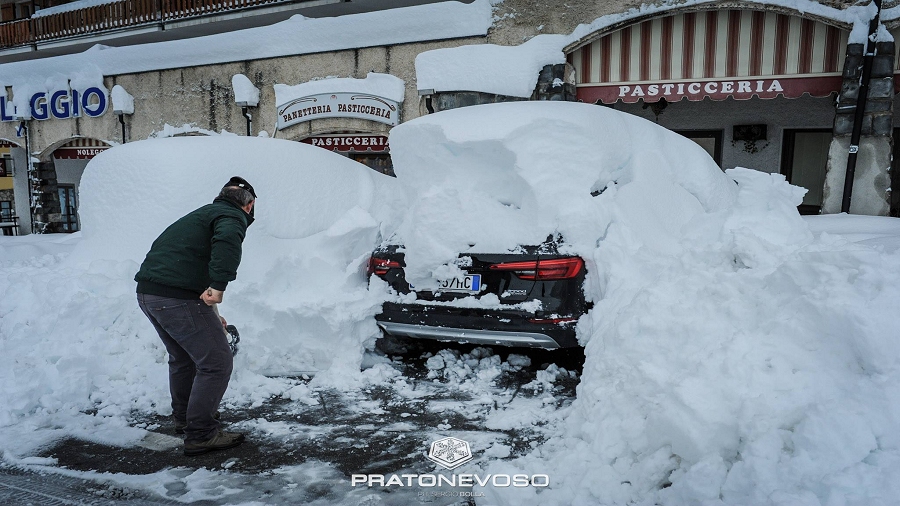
[(716, 54), (81, 148)]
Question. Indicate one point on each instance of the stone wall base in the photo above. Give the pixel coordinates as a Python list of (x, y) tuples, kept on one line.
[(871, 182)]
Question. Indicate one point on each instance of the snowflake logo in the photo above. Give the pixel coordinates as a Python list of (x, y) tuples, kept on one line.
[(450, 452)]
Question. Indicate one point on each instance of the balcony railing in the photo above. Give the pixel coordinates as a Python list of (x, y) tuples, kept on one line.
[(112, 16)]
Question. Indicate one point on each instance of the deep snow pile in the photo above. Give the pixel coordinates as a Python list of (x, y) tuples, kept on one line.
[(733, 356), (74, 339), (736, 353)]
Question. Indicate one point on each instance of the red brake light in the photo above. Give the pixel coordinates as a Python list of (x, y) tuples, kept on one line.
[(543, 270), (381, 266)]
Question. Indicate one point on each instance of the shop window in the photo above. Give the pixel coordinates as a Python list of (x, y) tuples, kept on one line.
[(804, 157), (7, 216), (23, 10), (69, 208), (710, 140), (7, 12), (6, 166), (381, 162)]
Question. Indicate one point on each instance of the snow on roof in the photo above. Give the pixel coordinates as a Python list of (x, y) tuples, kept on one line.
[(381, 85), (244, 91), (488, 68), (856, 16), (475, 67), (297, 35), (122, 100), (71, 6)]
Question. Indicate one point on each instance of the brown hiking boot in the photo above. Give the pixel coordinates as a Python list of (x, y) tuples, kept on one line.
[(221, 441), (180, 425)]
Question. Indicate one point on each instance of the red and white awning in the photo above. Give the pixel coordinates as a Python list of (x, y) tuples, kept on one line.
[(83, 149), (716, 54)]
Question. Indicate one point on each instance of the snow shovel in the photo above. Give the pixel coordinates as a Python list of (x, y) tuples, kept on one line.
[(234, 337)]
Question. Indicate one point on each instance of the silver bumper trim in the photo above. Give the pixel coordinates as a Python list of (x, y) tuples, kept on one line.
[(529, 339)]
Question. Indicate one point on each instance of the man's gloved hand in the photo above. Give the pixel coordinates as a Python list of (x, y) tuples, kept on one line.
[(212, 296)]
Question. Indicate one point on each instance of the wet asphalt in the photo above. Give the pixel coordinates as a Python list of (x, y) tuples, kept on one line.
[(379, 429)]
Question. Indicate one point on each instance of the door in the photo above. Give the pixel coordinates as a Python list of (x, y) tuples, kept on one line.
[(804, 157), (69, 208), (710, 140)]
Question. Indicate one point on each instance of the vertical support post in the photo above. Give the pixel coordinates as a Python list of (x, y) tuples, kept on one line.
[(246, 112), (122, 122), (29, 169), (860, 109)]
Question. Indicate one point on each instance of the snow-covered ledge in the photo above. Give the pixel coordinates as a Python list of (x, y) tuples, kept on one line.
[(488, 68)]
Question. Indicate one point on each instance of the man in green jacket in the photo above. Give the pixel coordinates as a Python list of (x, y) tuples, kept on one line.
[(183, 276)]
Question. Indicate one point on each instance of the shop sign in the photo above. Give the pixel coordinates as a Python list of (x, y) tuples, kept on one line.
[(62, 104), (348, 143), (79, 153), (740, 89), (338, 105)]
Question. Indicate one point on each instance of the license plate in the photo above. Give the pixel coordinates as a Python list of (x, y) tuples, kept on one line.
[(470, 283)]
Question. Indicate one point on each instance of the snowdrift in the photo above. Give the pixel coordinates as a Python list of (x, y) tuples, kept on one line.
[(733, 357), (735, 354), (74, 339), (491, 178)]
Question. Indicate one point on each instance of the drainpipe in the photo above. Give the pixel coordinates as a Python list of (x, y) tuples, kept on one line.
[(862, 96), (29, 168)]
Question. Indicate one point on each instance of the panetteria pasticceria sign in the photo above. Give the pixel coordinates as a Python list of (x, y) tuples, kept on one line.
[(338, 105)]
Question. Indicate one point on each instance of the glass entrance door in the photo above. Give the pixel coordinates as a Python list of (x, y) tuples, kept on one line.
[(69, 208), (803, 162)]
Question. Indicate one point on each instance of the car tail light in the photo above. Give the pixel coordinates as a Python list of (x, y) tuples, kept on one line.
[(381, 266), (543, 270)]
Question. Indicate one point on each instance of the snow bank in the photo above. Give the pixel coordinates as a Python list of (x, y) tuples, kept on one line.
[(733, 356), (74, 339), (502, 175)]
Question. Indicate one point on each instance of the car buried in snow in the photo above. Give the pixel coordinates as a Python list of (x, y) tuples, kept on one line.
[(540, 293)]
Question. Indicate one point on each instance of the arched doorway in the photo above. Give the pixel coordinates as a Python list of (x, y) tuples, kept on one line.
[(55, 184)]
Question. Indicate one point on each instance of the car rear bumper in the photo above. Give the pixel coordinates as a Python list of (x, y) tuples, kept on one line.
[(478, 326), (493, 337)]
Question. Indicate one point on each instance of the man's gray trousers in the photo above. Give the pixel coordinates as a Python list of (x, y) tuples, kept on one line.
[(200, 360)]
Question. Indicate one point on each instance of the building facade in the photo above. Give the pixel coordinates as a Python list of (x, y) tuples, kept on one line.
[(759, 86)]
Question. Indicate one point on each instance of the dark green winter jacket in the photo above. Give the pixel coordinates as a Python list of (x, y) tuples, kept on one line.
[(200, 250)]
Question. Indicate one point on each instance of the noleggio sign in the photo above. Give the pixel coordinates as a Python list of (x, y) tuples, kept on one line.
[(61, 104)]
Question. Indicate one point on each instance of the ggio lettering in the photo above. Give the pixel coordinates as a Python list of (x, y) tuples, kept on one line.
[(61, 104)]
